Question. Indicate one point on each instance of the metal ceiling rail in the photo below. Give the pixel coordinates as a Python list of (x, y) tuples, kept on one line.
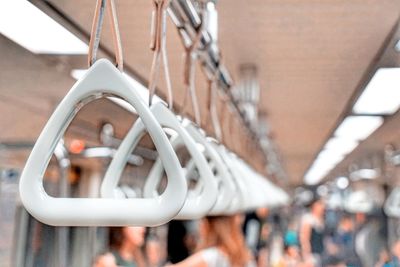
[(188, 21), (185, 15)]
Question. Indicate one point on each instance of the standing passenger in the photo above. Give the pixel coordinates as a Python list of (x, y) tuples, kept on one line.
[(125, 243), (312, 233), (153, 252), (395, 254), (104, 260), (221, 245)]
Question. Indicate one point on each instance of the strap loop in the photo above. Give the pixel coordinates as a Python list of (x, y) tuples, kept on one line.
[(191, 54), (211, 103), (158, 45), (96, 32)]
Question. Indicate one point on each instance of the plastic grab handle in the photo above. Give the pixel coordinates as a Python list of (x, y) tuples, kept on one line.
[(256, 184), (102, 78), (227, 189), (201, 199), (392, 204), (239, 203), (194, 207)]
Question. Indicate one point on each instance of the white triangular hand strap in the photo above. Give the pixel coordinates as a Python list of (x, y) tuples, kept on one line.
[(101, 79), (193, 208), (358, 201), (239, 202), (202, 198), (256, 184), (227, 189), (392, 204)]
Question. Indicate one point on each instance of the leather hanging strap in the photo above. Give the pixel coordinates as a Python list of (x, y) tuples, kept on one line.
[(158, 45), (223, 112), (95, 34), (212, 105), (230, 130), (191, 53)]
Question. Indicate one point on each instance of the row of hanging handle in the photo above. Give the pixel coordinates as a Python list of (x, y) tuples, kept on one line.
[(158, 45), (175, 201)]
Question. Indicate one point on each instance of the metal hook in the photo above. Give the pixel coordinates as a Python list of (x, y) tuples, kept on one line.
[(158, 45), (95, 33)]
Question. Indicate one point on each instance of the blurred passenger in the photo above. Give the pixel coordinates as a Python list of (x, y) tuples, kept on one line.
[(291, 258), (176, 241), (257, 234), (221, 244), (192, 236), (125, 244), (344, 238), (153, 252), (344, 234), (361, 219), (332, 219), (105, 260), (395, 261), (263, 257), (335, 261), (332, 254), (384, 259), (256, 229), (312, 233), (291, 235)]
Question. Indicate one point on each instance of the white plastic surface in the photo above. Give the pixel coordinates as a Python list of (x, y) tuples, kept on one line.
[(358, 201), (227, 189), (392, 204), (202, 198), (257, 198), (102, 78), (264, 193), (238, 203), (195, 206)]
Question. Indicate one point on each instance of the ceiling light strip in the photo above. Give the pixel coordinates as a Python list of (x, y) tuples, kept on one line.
[(347, 136), (28, 26)]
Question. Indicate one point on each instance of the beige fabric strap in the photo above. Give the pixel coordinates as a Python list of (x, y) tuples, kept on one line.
[(158, 45), (211, 104), (191, 53), (95, 34), (223, 112)]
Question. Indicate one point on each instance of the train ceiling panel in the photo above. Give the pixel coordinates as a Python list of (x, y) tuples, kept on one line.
[(311, 56)]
